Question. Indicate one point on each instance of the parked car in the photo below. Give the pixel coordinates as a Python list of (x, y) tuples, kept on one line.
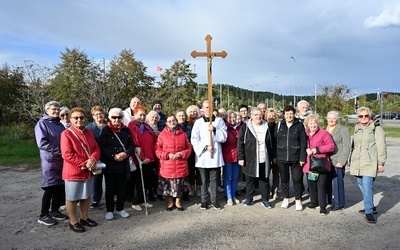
[(388, 115), (352, 116)]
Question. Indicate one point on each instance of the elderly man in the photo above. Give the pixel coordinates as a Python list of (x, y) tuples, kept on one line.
[(128, 112), (157, 106), (263, 108), (209, 158), (302, 110)]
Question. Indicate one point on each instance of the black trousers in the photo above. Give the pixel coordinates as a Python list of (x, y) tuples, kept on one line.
[(52, 195), (318, 190), (263, 184), (296, 171), (115, 185), (208, 182)]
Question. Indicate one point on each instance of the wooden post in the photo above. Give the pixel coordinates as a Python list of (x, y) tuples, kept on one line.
[(209, 55)]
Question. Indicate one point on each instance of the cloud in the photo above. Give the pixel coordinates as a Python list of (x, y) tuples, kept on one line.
[(388, 18)]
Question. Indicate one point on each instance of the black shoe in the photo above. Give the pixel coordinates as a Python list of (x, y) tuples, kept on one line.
[(180, 208), (204, 205), (216, 205), (370, 218), (77, 228), (94, 204), (58, 216), (362, 211), (312, 206), (322, 211), (88, 222), (337, 208), (169, 209), (47, 220)]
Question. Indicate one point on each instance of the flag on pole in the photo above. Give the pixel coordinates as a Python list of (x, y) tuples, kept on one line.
[(159, 69)]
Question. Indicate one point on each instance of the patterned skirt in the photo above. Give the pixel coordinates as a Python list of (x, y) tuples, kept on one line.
[(172, 186)]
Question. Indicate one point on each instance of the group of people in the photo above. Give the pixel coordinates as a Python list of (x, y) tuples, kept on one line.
[(150, 154)]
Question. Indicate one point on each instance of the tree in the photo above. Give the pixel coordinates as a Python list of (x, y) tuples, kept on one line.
[(177, 87), (128, 78), (73, 76), (331, 97), (11, 87)]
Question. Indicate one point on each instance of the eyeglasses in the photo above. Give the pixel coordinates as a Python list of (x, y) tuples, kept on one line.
[(97, 114), (363, 116), (62, 115), (78, 117), (172, 121), (116, 117)]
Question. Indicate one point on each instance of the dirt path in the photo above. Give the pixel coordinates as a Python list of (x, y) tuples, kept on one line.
[(234, 227)]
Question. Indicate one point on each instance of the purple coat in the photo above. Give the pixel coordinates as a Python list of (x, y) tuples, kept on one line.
[(48, 135)]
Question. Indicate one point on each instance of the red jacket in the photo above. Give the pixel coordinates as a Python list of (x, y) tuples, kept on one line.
[(229, 147), (169, 142), (144, 141), (74, 154), (324, 144)]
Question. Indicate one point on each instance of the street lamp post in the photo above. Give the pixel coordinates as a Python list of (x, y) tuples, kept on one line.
[(253, 86), (294, 70)]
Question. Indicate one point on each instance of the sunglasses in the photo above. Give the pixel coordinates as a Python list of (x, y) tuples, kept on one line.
[(64, 115), (363, 116), (116, 117), (78, 117)]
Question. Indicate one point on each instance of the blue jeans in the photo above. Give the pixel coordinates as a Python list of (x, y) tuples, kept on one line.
[(365, 183), (338, 187), (231, 175), (98, 187)]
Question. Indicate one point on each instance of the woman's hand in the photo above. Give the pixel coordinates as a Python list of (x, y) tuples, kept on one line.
[(91, 164), (339, 165), (145, 161), (241, 163), (381, 168)]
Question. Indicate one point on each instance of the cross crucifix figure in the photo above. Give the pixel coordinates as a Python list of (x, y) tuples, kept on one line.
[(210, 55)]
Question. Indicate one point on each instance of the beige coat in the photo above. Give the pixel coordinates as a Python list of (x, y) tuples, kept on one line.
[(369, 150)]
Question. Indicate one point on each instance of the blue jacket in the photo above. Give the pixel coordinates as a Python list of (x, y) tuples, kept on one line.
[(48, 135)]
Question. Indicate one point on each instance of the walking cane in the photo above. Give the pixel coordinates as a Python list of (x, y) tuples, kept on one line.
[(137, 153)]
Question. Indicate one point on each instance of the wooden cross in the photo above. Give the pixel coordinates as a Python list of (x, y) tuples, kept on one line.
[(210, 55)]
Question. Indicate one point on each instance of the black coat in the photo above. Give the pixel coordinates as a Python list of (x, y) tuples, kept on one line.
[(110, 146), (291, 142), (247, 149)]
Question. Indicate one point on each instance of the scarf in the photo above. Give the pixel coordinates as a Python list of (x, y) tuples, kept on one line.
[(115, 129), (143, 127)]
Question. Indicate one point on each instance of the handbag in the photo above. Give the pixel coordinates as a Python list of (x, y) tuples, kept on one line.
[(99, 165), (311, 176), (132, 164), (318, 165)]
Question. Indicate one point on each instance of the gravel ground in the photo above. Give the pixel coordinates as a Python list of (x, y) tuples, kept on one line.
[(233, 227)]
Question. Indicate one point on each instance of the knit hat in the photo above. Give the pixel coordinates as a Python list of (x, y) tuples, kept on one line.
[(156, 102)]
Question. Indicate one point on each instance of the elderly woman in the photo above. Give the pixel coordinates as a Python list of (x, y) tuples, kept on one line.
[(229, 151), (193, 113), (64, 117), (80, 152), (319, 144), (291, 155), (116, 146), (341, 138), (144, 138), (173, 149), (96, 126), (48, 134), (367, 158), (270, 116), (254, 153), (152, 119)]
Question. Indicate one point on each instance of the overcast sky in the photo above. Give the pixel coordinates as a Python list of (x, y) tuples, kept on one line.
[(356, 43)]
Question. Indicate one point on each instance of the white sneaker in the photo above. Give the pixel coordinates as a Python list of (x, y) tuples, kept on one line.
[(285, 203), (62, 208), (149, 205), (137, 207), (299, 206), (109, 216), (123, 214), (237, 201), (230, 202)]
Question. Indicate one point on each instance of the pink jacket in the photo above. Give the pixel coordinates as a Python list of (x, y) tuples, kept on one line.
[(169, 142), (324, 144)]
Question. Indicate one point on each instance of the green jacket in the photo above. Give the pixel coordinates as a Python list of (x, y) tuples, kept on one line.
[(369, 150)]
